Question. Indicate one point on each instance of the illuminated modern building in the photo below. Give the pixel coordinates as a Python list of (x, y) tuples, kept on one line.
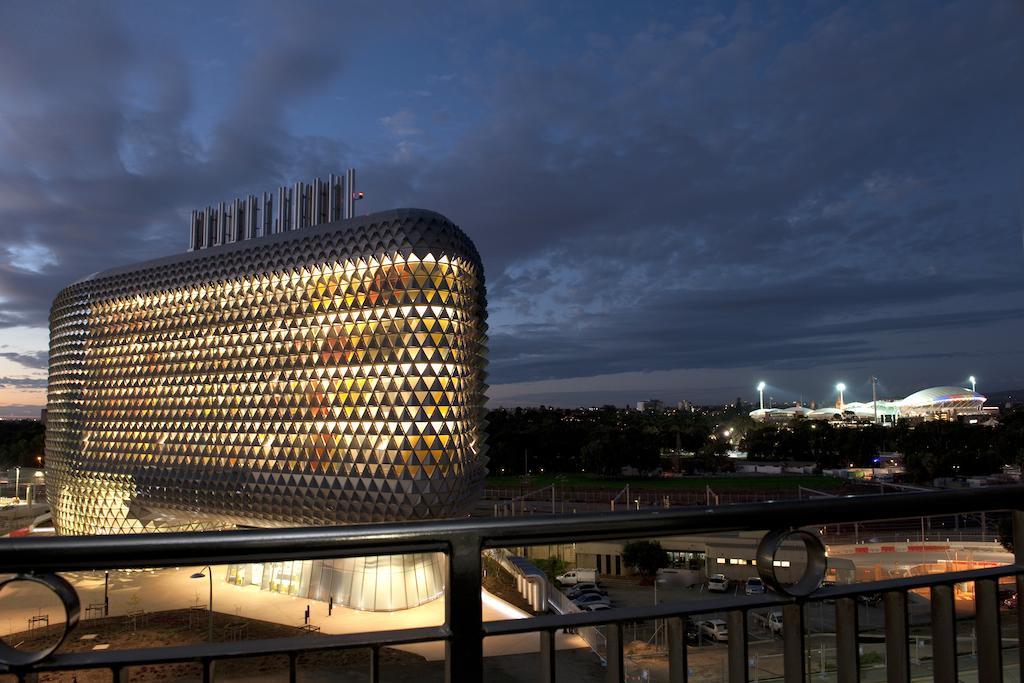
[(936, 403), (311, 370)]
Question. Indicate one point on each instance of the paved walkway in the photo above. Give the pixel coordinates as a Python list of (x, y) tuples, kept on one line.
[(165, 589)]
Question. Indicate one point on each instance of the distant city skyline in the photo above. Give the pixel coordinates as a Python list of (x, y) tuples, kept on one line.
[(673, 201), (660, 388)]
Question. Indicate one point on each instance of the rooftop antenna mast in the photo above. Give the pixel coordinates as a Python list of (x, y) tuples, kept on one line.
[(353, 196), (301, 206)]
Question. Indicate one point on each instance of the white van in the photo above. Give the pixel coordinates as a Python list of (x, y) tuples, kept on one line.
[(574, 576)]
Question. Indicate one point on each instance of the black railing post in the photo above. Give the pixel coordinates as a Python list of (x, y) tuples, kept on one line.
[(547, 656), (897, 643), (676, 650), (616, 672), (847, 647), (464, 649), (1018, 558), (793, 642), (737, 656), (374, 665), (943, 608), (986, 618)]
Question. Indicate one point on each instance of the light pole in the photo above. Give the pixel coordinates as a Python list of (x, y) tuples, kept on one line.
[(874, 396), (760, 393), (199, 575), (974, 383), (841, 388), (17, 482)]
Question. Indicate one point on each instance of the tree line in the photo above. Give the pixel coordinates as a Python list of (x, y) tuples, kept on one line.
[(21, 442), (930, 449), (601, 441)]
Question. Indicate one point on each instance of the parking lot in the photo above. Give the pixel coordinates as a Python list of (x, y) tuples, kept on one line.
[(646, 642)]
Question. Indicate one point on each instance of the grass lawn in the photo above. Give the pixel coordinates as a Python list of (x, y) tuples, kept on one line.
[(718, 484)]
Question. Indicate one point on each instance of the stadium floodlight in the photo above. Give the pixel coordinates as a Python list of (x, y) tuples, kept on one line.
[(760, 393), (874, 396), (841, 388), (974, 383)]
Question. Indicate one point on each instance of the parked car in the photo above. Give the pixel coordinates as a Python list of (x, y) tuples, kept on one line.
[(715, 629), (673, 575), (595, 607), (591, 599), (692, 631), (755, 586), (718, 583), (771, 621), (581, 588)]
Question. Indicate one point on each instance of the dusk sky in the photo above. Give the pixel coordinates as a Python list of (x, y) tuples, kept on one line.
[(671, 200)]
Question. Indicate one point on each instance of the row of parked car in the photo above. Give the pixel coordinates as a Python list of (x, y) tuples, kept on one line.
[(718, 583), (589, 596)]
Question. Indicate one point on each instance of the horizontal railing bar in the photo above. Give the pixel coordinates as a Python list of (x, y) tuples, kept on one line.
[(500, 532), (911, 582), (617, 615), (135, 551), (237, 649), (741, 602), (64, 553)]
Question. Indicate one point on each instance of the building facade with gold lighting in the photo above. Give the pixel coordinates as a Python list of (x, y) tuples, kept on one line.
[(331, 374)]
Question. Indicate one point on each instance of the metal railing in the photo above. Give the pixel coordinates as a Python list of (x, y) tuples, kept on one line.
[(464, 630)]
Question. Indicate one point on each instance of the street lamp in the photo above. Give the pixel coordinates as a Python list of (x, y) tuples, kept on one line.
[(841, 388), (760, 393), (874, 396), (974, 383), (200, 575)]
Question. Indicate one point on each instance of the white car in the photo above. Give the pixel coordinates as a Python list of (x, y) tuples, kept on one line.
[(772, 621), (755, 586), (595, 607), (718, 583), (715, 629)]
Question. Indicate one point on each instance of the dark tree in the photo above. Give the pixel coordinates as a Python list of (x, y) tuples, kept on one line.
[(21, 443), (647, 557)]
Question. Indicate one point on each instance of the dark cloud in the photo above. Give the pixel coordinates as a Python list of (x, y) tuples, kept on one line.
[(646, 192), (95, 179), (37, 361), (22, 383)]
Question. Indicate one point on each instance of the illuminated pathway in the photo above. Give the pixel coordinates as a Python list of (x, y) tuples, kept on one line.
[(169, 589)]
